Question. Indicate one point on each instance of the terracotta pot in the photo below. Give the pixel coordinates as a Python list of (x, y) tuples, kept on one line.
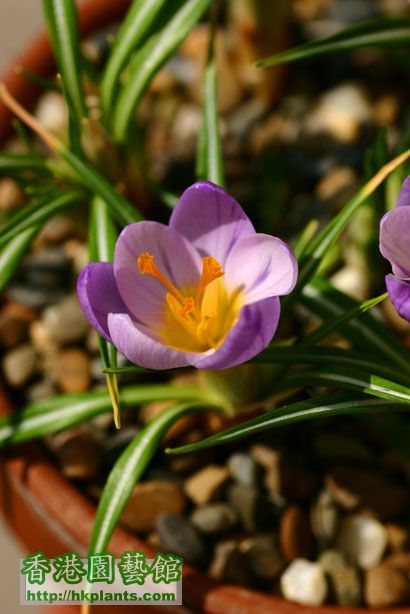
[(45, 510)]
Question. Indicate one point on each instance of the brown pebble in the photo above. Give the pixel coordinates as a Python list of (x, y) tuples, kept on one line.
[(352, 488), (230, 564), (78, 454), (206, 485), (11, 195), (19, 365), (295, 536), (14, 323), (399, 537), (385, 587), (148, 501), (72, 370)]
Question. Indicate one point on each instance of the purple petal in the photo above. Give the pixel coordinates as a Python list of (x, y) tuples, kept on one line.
[(139, 347), (395, 240), (176, 259), (211, 219), (263, 266), (98, 295), (256, 326), (404, 196), (399, 294)]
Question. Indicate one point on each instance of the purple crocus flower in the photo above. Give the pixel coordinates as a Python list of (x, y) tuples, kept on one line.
[(395, 247), (202, 291)]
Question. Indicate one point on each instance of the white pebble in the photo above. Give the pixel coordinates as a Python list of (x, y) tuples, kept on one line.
[(363, 540), (304, 582)]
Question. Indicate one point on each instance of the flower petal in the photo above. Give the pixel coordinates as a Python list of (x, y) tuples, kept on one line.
[(211, 219), (263, 266), (98, 295), (399, 294), (134, 342), (395, 240), (404, 196), (256, 326), (177, 260)]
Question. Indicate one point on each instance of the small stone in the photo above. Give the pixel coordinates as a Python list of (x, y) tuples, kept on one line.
[(230, 564), (19, 365), (41, 339), (34, 297), (344, 578), (340, 112), (264, 555), (56, 230), (352, 488), (180, 537), (399, 560), (78, 453), (295, 536), (116, 442), (338, 186), (399, 537), (51, 111), (324, 517), (363, 540), (304, 582), (214, 518), (65, 321), (14, 324), (386, 587), (72, 370), (148, 501), (47, 268), (255, 511), (77, 252), (243, 469), (11, 195), (207, 484), (44, 389)]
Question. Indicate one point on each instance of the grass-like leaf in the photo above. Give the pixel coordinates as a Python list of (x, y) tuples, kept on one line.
[(37, 213), (132, 32), (365, 332), (13, 253), (381, 32), (16, 164), (101, 243), (129, 468), (61, 19), (348, 378), (176, 20), (325, 406), (61, 412)]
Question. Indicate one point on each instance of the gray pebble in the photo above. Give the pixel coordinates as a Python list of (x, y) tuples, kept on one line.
[(243, 469), (255, 511), (65, 321), (180, 537), (19, 365), (35, 298), (47, 268), (214, 518)]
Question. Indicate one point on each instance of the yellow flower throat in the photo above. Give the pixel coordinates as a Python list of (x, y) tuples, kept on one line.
[(197, 319)]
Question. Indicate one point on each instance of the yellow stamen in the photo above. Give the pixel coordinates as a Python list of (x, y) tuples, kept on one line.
[(211, 270), (146, 265)]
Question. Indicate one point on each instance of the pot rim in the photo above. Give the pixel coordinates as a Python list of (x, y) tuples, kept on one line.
[(29, 476)]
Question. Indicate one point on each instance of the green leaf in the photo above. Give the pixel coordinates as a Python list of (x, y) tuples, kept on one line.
[(365, 332), (12, 164), (61, 412), (127, 471), (320, 246), (325, 406), (37, 79), (12, 254), (335, 324), (349, 379), (381, 32), (176, 20), (61, 21), (101, 242), (36, 213), (329, 355), (210, 164), (132, 32)]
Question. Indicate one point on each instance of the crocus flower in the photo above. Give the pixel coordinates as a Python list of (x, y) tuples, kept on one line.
[(395, 247), (202, 291)]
